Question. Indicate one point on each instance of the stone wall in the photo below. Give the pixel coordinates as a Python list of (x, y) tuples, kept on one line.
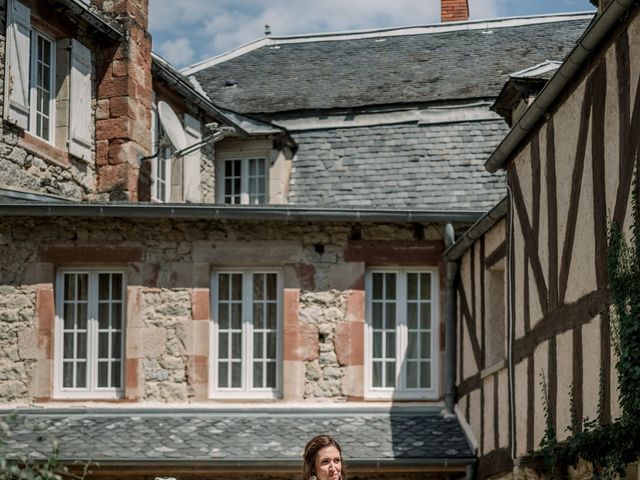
[(168, 268)]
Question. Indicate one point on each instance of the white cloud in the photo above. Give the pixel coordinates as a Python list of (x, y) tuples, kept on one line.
[(177, 51)]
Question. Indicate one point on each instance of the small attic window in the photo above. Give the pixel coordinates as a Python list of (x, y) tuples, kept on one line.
[(230, 83)]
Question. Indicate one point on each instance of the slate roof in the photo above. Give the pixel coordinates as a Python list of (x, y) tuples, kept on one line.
[(433, 167), (289, 74), (250, 437)]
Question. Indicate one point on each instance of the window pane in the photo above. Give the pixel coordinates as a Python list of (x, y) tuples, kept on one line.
[(223, 375), (116, 316), (83, 286), (69, 286), (68, 346), (272, 286), (258, 347), (223, 286), (116, 374), (257, 374), (412, 286), (223, 345), (271, 375), (377, 344), (69, 315), (223, 316), (425, 344), (272, 316), (103, 316), (391, 374), (425, 375), (82, 316), (116, 345), (390, 316), (81, 345), (412, 374), (67, 374), (271, 345), (376, 313), (376, 279), (258, 316), (412, 345), (116, 286), (236, 350), (376, 374), (425, 286), (81, 375), (104, 286), (258, 286), (103, 345), (390, 345), (103, 374), (412, 315), (236, 286), (236, 316), (425, 316), (390, 286), (236, 375)]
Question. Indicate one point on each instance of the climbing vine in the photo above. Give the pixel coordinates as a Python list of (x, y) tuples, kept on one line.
[(610, 447)]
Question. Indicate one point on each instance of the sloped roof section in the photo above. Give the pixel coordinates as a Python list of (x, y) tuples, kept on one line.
[(243, 437), (349, 71), (396, 166)]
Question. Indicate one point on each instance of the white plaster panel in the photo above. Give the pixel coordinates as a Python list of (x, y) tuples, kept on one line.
[(475, 412), (521, 408), (543, 226), (488, 439), (503, 408), (495, 236), (591, 367), (564, 359), (540, 366)]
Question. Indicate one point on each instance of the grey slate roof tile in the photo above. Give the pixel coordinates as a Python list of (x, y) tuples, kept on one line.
[(249, 436), (401, 69), (438, 167)]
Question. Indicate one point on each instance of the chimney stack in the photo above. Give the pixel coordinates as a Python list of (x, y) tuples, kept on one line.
[(124, 96), (454, 10)]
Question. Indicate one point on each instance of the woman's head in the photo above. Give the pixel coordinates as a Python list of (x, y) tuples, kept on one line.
[(323, 460)]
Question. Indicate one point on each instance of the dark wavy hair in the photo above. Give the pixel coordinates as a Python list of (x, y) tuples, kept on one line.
[(311, 451)]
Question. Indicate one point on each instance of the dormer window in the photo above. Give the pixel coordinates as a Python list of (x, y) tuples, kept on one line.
[(244, 181)]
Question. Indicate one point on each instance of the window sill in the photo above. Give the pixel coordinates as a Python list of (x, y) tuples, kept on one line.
[(495, 368), (44, 150)]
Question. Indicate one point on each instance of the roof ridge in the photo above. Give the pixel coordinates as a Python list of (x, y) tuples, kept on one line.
[(273, 41)]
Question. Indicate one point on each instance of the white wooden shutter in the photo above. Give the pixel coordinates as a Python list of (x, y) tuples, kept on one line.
[(80, 101), (17, 77), (191, 169)]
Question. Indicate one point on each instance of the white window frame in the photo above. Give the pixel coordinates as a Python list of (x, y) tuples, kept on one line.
[(92, 390), (244, 177), (33, 107), (245, 392), (400, 391)]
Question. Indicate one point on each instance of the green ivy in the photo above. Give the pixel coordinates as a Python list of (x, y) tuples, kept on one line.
[(609, 447)]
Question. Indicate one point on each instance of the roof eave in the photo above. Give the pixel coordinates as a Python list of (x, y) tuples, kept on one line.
[(82, 10), (248, 213), (589, 41), (482, 226)]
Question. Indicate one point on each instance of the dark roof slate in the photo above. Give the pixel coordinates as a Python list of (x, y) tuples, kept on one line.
[(433, 167), (425, 67), (239, 436)]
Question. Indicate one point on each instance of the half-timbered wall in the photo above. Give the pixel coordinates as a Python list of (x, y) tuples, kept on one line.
[(572, 177)]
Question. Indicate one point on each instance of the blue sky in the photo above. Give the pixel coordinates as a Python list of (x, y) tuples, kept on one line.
[(199, 29)]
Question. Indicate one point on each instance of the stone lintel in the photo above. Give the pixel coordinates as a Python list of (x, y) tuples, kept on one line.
[(395, 252), (250, 254), (103, 253)]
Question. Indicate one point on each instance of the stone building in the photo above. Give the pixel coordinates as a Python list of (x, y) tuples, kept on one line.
[(200, 270), (533, 271)]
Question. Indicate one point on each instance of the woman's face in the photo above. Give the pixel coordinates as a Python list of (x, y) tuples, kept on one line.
[(328, 463)]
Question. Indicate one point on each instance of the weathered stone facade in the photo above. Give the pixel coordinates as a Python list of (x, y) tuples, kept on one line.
[(168, 267)]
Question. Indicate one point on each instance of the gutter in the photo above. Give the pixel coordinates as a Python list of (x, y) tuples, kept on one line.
[(220, 212), (482, 226), (591, 38)]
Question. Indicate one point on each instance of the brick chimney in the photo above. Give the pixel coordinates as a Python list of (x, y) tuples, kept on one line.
[(123, 112), (454, 10)]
